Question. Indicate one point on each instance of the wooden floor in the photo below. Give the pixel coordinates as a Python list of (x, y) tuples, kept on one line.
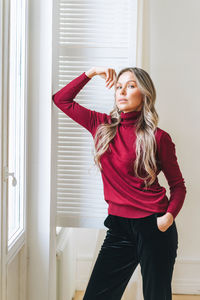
[(79, 296)]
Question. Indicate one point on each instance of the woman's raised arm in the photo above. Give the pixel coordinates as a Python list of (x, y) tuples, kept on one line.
[(64, 100)]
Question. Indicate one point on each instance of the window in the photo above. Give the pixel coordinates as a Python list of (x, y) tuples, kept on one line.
[(86, 33), (15, 86)]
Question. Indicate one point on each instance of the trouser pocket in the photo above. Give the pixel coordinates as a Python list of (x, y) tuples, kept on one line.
[(117, 225), (169, 228), (108, 221)]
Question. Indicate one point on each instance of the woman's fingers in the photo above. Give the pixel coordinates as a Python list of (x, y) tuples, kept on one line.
[(114, 79), (108, 76), (111, 79)]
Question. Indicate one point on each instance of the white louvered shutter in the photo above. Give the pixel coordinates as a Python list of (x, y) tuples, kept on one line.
[(85, 34)]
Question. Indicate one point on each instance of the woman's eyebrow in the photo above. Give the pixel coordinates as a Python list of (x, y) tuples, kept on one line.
[(127, 81)]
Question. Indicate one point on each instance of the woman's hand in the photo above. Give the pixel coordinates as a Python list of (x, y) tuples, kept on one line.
[(108, 74), (165, 221)]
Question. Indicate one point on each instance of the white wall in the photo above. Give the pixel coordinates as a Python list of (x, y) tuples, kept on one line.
[(171, 55), (39, 149)]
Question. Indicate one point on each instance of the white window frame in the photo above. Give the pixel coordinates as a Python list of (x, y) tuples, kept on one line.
[(8, 253)]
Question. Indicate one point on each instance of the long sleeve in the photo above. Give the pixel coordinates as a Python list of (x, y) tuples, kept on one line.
[(87, 118), (171, 170)]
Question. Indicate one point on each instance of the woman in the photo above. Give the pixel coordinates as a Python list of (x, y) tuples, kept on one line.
[(130, 151)]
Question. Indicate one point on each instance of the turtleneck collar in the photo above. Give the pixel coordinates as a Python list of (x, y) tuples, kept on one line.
[(130, 117)]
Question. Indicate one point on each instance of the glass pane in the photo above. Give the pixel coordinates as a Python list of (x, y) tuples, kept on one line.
[(16, 138)]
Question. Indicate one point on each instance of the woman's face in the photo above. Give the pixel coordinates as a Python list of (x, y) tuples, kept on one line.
[(126, 88)]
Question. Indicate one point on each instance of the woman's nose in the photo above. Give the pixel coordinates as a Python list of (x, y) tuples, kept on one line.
[(122, 91)]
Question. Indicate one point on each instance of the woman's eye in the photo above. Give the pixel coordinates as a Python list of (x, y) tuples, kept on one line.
[(129, 86)]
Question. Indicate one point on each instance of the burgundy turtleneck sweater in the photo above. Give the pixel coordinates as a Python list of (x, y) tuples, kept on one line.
[(123, 191)]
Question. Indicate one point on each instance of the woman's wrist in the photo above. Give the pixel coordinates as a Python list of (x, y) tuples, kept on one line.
[(169, 217), (91, 72)]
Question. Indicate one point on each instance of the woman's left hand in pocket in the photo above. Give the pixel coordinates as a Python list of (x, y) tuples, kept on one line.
[(165, 221)]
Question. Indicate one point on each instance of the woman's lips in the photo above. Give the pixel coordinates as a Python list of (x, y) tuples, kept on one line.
[(121, 101)]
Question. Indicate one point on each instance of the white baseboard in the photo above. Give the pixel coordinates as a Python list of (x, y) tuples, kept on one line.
[(186, 276)]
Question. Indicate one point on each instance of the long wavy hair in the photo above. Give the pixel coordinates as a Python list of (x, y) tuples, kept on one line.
[(145, 127)]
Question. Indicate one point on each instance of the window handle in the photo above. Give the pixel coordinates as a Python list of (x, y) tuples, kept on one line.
[(7, 174)]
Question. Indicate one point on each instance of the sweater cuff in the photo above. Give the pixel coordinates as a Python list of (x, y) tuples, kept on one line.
[(87, 77), (173, 214)]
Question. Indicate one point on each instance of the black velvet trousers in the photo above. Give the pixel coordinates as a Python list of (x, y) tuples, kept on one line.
[(129, 242)]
